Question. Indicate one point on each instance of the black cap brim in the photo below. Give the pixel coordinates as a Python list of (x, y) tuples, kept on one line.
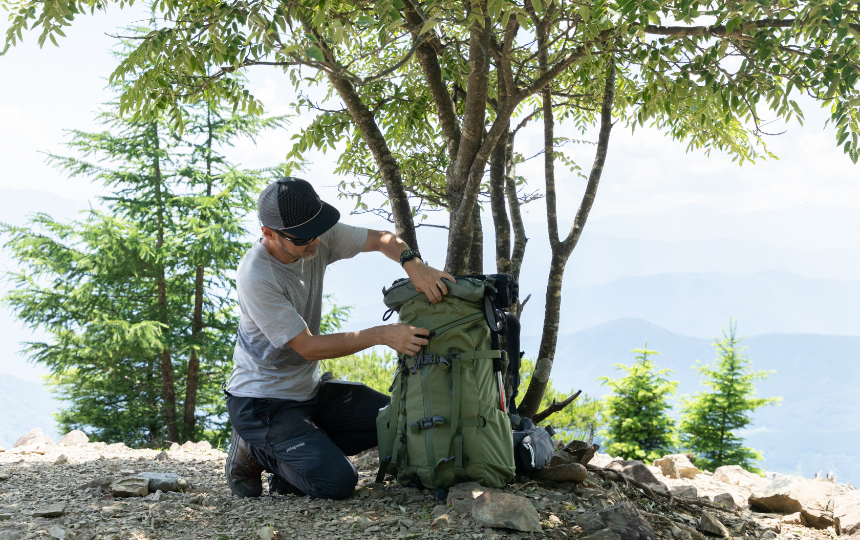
[(327, 218)]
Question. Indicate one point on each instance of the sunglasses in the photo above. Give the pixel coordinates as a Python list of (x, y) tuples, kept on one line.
[(296, 241)]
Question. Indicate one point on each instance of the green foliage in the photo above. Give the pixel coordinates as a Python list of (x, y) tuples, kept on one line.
[(136, 294), (333, 320), (374, 370), (710, 420), (579, 421), (639, 425)]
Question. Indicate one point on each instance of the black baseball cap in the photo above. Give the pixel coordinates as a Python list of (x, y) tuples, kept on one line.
[(291, 205)]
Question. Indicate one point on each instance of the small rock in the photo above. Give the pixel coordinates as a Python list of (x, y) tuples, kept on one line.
[(768, 535), (5, 516), (601, 460), (713, 526), (204, 445), (61, 459), (726, 500), (677, 466), (165, 482), (571, 472), (438, 510), (5, 475), (174, 447), (500, 509), (85, 535), (560, 458), (50, 511), (792, 519), (112, 510), (116, 446), (98, 445), (103, 483), (266, 533), (59, 532), (581, 451), (738, 476), (639, 472), (621, 521), (442, 520), (34, 437), (74, 438), (130, 486), (161, 456), (553, 521), (685, 491)]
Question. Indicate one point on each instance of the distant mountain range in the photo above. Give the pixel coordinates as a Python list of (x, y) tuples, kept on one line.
[(817, 425)]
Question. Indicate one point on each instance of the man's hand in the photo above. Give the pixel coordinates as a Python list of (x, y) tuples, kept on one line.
[(405, 338), (427, 279)]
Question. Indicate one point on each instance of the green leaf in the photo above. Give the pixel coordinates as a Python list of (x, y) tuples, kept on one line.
[(315, 53)]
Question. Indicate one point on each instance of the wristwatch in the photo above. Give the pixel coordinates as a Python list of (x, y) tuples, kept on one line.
[(408, 255)]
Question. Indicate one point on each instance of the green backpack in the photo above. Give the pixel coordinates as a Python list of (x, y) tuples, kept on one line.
[(447, 421)]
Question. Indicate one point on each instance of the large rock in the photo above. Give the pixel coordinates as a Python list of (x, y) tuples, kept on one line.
[(165, 482), (790, 494), (34, 437), (462, 496), (74, 438), (677, 466), (622, 522), (738, 476), (130, 486), (846, 513), (500, 509), (639, 472)]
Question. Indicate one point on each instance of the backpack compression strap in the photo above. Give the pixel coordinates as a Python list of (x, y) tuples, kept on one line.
[(393, 415)]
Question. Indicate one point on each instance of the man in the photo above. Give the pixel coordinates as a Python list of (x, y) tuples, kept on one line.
[(285, 418)]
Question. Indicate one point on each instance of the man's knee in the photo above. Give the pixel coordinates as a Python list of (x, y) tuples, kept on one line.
[(314, 464), (336, 482)]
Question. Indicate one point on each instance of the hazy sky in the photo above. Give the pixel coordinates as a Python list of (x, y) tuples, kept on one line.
[(53, 89)]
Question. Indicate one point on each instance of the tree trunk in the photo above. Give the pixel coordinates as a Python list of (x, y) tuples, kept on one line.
[(520, 240), (476, 253), (501, 224), (193, 376), (389, 169), (561, 250), (167, 382)]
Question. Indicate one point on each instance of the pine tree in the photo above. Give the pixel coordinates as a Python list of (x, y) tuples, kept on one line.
[(639, 425), (135, 297), (710, 420)]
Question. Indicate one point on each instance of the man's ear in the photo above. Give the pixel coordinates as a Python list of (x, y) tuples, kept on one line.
[(268, 233)]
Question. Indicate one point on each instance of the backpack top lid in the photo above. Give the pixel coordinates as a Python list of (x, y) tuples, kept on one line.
[(471, 288)]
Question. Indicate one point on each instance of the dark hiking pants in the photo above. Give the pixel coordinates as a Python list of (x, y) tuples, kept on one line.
[(306, 442)]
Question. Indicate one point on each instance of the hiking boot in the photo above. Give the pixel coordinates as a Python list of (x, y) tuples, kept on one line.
[(279, 486), (242, 471)]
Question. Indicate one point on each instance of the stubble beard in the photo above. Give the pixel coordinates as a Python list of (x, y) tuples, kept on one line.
[(307, 254)]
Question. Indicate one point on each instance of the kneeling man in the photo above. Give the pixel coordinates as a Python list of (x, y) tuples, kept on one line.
[(286, 419)]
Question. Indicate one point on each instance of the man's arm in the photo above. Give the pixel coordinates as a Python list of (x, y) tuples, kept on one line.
[(426, 279), (403, 338)]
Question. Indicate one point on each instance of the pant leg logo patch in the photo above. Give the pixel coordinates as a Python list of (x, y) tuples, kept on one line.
[(290, 449)]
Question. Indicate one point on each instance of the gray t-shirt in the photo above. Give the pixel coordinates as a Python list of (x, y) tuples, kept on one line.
[(278, 301)]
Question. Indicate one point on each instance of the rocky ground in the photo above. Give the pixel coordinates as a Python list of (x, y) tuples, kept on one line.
[(91, 491)]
